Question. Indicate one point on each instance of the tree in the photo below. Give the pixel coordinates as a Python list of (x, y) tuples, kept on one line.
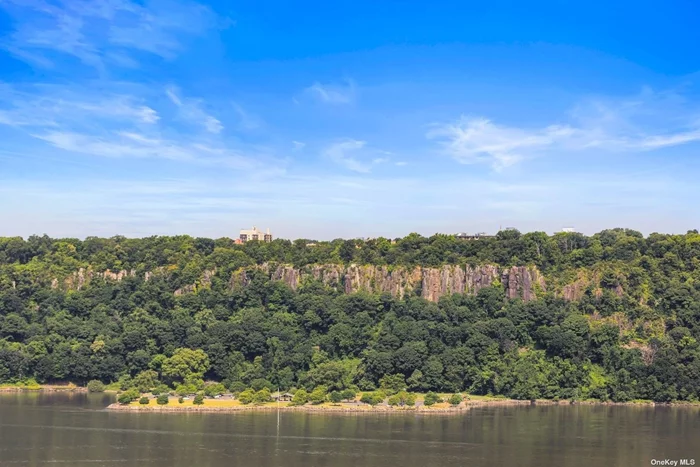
[(160, 389), (262, 396), (415, 381), (373, 398), (609, 316), (348, 394), (214, 389), (431, 399), (95, 386), (455, 399), (127, 397), (402, 398), (146, 380), (247, 396), (198, 400), (300, 397), (144, 400), (318, 395), (185, 364), (391, 384), (162, 399), (335, 397)]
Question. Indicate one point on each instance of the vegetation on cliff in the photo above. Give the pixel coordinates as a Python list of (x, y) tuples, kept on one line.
[(611, 316)]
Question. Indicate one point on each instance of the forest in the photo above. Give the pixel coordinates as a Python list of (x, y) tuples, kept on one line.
[(629, 332)]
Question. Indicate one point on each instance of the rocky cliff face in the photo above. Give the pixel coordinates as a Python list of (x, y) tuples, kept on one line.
[(432, 283), (583, 283), (82, 277)]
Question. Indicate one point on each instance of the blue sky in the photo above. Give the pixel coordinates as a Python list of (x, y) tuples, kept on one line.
[(347, 119)]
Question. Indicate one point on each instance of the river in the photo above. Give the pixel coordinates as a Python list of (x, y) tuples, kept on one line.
[(75, 430)]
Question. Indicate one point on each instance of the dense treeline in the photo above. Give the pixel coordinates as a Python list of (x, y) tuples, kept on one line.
[(631, 334)]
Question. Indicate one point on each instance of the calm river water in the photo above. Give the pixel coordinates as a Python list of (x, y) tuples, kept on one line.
[(75, 430)]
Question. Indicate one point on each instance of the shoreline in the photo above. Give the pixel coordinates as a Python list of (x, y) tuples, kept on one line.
[(44, 388), (380, 409), (354, 408)]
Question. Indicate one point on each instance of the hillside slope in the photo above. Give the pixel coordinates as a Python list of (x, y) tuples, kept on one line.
[(611, 316)]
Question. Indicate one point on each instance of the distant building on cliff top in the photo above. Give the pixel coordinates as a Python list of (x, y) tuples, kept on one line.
[(254, 234)]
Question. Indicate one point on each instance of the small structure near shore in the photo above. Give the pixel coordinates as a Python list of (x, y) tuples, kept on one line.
[(282, 397)]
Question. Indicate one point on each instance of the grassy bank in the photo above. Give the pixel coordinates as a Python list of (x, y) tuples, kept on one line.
[(232, 405), (31, 385)]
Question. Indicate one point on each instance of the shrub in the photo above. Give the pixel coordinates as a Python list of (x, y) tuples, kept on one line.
[(162, 399), (262, 396), (348, 394), (196, 383), (335, 397), (95, 386), (198, 399), (247, 396), (318, 395), (127, 397), (125, 382), (372, 398), (402, 398), (124, 398), (411, 399), (160, 389), (144, 400), (181, 400), (185, 389), (214, 389), (431, 398), (301, 397), (455, 399)]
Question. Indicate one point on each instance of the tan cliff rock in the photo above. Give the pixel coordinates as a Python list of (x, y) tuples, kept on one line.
[(523, 282), (83, 276), (433, 283), (586, 281)]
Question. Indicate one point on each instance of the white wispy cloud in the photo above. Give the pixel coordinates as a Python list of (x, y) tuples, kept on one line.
[(333, 93), (51, 105), (298, 145), (340, 153), (123, 144), (354, 155), (100, 32), (192, 111), (82, 120), (644, 123), (246, 120), (477, 140)]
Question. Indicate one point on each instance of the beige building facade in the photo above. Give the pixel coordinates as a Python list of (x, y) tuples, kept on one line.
[(255, 234)]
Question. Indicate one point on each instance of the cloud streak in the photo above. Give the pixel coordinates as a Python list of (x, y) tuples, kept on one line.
[(634, 126), (102, 32), (82, 121), (354, 155), (191, 110), (333, 93)]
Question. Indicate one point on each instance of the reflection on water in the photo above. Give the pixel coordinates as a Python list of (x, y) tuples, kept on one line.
[(73, 429)]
